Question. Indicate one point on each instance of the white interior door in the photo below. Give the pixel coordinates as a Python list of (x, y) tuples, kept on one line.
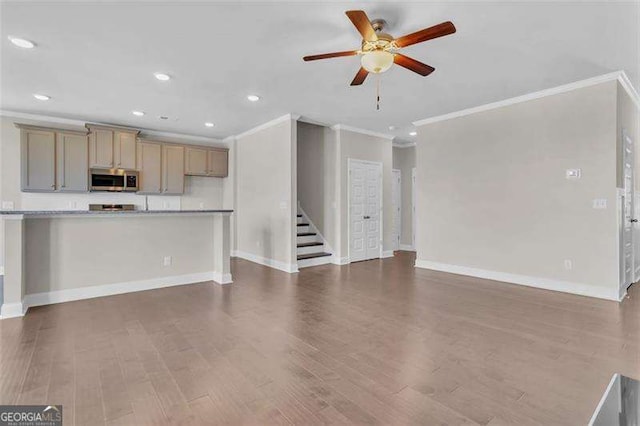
[(397, 208), (629, 269), (365, 219)]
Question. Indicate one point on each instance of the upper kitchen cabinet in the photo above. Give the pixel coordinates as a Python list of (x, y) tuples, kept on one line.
[(38, 159), (150, 167), (218, 162), (196, 161), (112, 147), (72, 161), (172, 169)]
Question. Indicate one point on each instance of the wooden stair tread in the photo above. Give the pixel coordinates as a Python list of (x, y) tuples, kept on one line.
[(312, 255), (306, 234), (303, 224), (299, 215), (314, 243)]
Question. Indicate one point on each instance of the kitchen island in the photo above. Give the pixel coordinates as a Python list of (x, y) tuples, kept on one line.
[(64, 255)]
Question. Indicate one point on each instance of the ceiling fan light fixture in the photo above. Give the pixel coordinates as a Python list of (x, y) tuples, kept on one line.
[(377, 61)]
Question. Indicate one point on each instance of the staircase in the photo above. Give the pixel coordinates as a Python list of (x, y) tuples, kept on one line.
[(310, 247)]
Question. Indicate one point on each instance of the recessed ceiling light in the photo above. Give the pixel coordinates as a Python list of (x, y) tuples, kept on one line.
[(163, 117), (138, 113), (253, 98), (413, 133), (162, 76), (392, 127), (20, 42), (209, 124), (41, 97)]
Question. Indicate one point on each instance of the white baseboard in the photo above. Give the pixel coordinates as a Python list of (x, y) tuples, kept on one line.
[(407, 247), (543, 283), (222, 278), (286, 267), (387, 253), (340, 260), (90, 292), (12, 310)]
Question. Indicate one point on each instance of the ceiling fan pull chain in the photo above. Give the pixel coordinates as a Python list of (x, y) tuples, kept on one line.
[(378, 93)]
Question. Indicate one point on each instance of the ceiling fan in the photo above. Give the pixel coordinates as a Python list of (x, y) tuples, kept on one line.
[(380, 50)]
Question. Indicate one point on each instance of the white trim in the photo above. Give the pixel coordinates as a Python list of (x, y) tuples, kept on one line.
[(603, 399), (386, 254), (286, 267), (1, 271), (144, 133), (221, 278), (618, 75), (544, 283), (275, 121), (340, 260), (399, 207), (404, 145), (362, 131), (407, 247), (12, 310)]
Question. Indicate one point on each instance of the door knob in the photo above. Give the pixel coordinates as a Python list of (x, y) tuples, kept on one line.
[(366, 217), (634, 220)]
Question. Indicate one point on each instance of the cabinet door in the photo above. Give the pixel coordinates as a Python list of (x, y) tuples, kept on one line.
[(124, 150), (38, 149), (172, 169), (101, 148), (218, 163), (150, 168), (196, 161), (73, 162)]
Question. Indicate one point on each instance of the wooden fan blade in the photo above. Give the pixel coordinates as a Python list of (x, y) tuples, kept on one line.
[(363, 24), (436, 31), (412, 64), (330, 55), (360, 76)]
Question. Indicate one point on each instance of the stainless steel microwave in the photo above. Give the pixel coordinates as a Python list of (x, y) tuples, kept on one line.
[(114, 180)]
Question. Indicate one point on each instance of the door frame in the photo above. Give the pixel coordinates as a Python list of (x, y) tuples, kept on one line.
[(413, 208), (399, 206), (381, 180), (624, 285)]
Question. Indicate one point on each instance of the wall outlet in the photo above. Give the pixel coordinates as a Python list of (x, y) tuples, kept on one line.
[(600, 203), (283, 205), (202, 206), (573, 173), (166, 261), (568, 264), (7, 205)]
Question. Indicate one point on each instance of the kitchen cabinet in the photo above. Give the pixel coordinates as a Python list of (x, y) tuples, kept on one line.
[(38, 159), (149, 165), (172, 169), (72, 162), (218, 163), (124, 150), (112, 147), (196, 161)]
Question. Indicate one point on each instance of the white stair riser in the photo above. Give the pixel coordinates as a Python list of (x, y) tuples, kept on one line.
[(303, 228), (307, 239), (305, 263), (311, 249), (300, 220)]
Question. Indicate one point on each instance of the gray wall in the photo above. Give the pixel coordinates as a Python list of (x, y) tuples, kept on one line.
[(492, 192), (404, 159), (266, 192)]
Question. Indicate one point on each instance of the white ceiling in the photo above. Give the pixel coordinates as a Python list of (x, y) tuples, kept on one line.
[(97, 60)]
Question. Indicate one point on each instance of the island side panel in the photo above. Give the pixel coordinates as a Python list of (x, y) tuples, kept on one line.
[(222, 248), (14, 268)]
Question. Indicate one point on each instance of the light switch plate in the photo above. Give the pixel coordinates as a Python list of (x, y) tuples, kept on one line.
[(166, 261), (600, 203), (283, 205), (7, 205), (573, 173)]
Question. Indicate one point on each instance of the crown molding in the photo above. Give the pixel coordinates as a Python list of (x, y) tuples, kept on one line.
[(620, 76), (362, 131), (274, 122), (404, 145), (144, 133)]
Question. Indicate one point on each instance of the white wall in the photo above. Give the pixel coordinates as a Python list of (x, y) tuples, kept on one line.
[(404, 159), (266, 194), (211, 193), (360, 146), (492, 193)]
